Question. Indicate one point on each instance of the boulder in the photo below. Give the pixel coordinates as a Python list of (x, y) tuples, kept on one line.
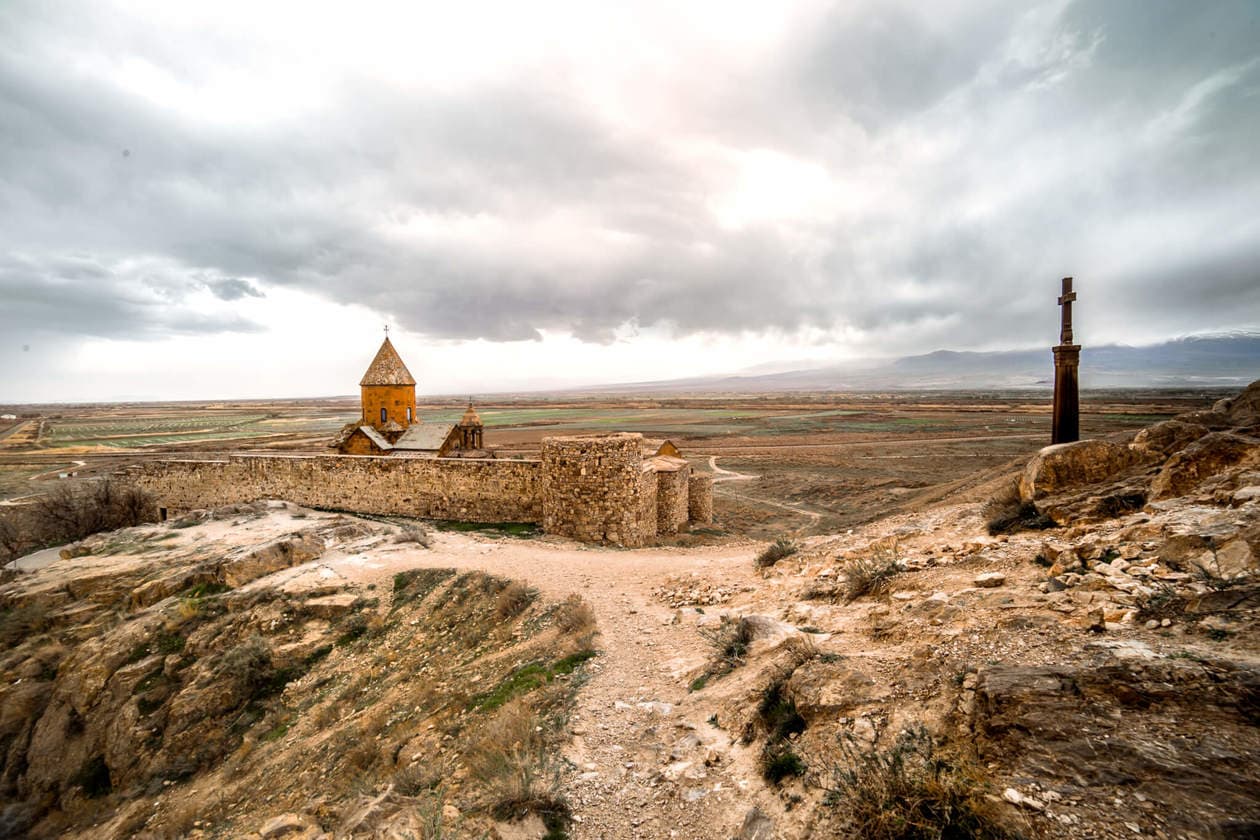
[(1244, 409), (756, 826), (820, 689), (1234, 558), (990, 580), (1201, 460), (1066, 466)]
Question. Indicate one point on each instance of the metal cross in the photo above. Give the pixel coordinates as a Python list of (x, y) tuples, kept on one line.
[(387, 330), (1065, 300)]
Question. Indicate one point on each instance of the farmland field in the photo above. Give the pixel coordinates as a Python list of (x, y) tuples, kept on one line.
[(795, 464)]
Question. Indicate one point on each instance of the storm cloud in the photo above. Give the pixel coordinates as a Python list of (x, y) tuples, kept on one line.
[(908, 176)]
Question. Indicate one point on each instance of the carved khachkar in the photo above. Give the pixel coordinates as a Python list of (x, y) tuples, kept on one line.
[(1067, 359)]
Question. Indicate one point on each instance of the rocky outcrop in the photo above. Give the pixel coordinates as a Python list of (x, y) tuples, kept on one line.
[(272, 557), (1201, 460), (1162, 439), (1181, 732), (1066, 466)]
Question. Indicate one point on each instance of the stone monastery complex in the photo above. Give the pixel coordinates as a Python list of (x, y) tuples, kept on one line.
[(598, 489)]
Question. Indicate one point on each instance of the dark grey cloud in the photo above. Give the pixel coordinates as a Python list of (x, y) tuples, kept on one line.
[(232, 288), (975, 155)]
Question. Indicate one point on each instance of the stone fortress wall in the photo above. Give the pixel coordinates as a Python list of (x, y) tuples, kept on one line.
[(597, 489)]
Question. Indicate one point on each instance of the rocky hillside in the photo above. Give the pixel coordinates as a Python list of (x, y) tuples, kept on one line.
[(163, 680), (1077, 658)]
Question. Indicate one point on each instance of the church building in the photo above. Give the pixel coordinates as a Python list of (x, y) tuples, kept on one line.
[(389, 424)]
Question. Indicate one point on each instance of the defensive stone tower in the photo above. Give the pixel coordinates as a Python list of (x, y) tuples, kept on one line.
[(596, 489), (388, 392)]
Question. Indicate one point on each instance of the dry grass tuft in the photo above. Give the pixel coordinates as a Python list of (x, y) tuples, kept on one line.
[(1006, 512), (515, 762), (729, 642), (775, 552), (871, 574), (514, 600), (911, 791), (575, 617)]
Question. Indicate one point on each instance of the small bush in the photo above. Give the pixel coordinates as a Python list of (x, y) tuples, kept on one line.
[(729, 642), (574, 616), (74, 510), (870, 575), (1007, 513), (778, 762), (513, 600), (775, 552), (911, 792)]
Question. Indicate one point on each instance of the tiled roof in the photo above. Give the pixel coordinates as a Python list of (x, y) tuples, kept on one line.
[(424, 436), (387, 368), (376, 437)]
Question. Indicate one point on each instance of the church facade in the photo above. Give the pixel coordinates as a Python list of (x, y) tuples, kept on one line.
[(389, 424)]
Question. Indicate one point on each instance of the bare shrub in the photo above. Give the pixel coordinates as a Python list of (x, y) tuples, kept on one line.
[(72, 511), (575, 617), (912, 791), (870, 574), (12, 541), (513, 600), (729, 642), (1006, 512), (775, 552)]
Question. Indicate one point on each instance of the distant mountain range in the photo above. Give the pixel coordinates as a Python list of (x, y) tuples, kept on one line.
[(1208, 361)]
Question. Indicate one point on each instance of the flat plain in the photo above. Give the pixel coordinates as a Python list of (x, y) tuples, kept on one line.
[(806, 463)]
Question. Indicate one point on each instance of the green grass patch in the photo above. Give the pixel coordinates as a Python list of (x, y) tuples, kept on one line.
[(277, 732), (527, 678), (522, 530)]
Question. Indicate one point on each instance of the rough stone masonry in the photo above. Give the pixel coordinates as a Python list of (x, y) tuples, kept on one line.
[(597, 489)]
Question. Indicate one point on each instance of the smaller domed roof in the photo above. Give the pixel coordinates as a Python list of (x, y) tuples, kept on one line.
[(470, 418)]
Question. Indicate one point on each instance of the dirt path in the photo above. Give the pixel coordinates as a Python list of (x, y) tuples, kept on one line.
[(721, 475), (889, 443), (640, 740)]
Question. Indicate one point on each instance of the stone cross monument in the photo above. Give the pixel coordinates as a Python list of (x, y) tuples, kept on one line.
[(1067, 359)]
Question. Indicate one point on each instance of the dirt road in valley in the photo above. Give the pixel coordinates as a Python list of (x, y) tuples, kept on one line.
[(640, 740), (700, 448)]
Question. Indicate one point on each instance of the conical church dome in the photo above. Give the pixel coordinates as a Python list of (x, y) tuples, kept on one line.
[(387, 368)]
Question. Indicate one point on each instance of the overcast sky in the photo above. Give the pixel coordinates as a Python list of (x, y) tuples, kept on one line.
[(231, 200)]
